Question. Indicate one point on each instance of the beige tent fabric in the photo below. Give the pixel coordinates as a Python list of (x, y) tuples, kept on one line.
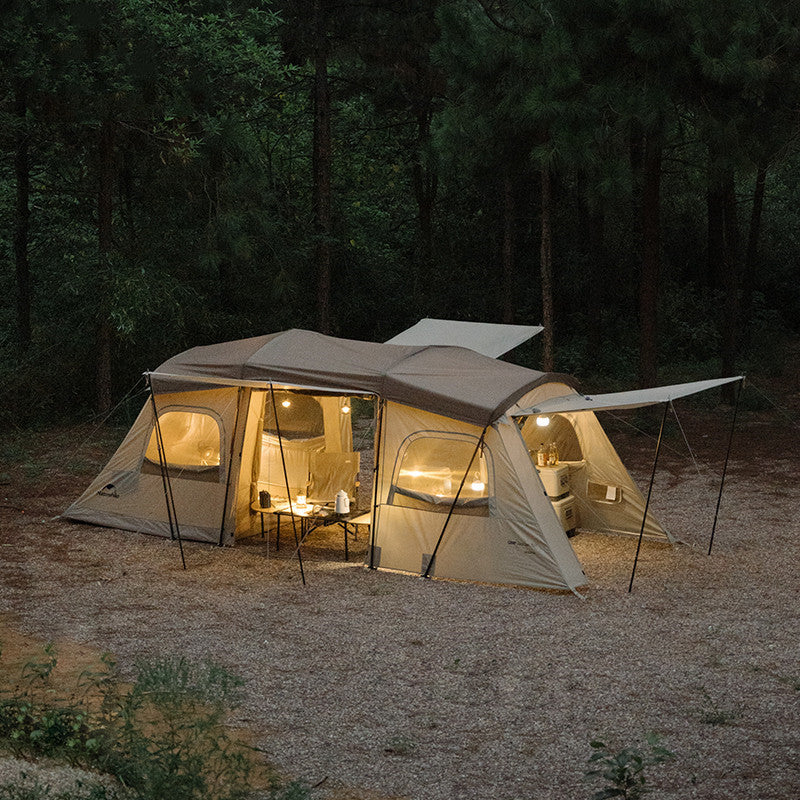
[(452, 381), (519, 541), (608, 499), (129, 492), (487, 338), (633, 399)]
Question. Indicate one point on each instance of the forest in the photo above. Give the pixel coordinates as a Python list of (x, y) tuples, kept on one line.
[(624, 172)]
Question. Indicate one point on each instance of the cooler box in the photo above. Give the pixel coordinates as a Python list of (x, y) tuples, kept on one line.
[(555, 480), (567, 513)]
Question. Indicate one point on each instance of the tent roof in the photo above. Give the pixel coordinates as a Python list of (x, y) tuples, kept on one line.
[(488, 338), (634, 399), (453, 381)]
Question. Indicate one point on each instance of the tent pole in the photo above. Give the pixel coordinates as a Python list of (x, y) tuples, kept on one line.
[(230, 464), (478, 446), (172, 514), (649, 492), (286, 480), (725, 466), (375, 481)]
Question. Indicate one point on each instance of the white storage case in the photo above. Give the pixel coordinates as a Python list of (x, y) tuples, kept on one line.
[(555, 480), (567, 512)]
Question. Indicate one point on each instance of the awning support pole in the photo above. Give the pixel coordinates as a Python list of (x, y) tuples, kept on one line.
[(234, 433), (649, 493), (376, 481), (725, 466), (478, 447), (286, 481), (172, 514)]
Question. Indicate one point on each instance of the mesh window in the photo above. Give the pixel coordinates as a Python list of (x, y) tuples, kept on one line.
[(191, 440), (299, 416), (431, 469)]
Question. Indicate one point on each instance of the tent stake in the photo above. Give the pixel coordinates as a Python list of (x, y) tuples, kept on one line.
[(286, 481), (478, 446), (649, 492), (375, 481), (172, 514), (725, 466)]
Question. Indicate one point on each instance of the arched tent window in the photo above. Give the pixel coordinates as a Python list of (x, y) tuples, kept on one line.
[(299, 416), (192, 440), (430, 467), (559, 430)]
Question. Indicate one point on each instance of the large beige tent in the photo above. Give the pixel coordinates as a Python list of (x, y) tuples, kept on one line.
[(456, 491)]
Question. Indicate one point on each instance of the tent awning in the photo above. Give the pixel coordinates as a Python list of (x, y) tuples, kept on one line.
[(633, 399), (487, 338)]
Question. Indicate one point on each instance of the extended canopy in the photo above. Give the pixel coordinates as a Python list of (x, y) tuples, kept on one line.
[(487, 338), (612, 400)]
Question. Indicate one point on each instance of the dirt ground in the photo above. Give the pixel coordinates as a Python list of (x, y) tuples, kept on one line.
[(385, 686)]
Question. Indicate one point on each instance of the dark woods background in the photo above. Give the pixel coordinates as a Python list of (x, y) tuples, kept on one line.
[(172, 174)]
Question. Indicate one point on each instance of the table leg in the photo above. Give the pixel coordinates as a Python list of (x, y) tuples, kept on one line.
[(346, 553)]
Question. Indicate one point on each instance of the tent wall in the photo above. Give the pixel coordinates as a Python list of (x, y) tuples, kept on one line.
[(608, 499), (515, 538), (129, 492)]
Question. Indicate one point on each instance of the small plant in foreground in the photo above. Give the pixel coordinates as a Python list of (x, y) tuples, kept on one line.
[(623, 771)]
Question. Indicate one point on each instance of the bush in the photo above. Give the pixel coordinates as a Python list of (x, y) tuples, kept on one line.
[(163, 737)]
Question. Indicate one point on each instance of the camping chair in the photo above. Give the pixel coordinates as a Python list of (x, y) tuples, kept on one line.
[(331, 472)]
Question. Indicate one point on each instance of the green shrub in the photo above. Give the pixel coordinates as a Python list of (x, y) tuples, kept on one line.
[(623, 771), (164, 737)]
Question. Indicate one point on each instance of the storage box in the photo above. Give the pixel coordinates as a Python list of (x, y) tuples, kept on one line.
[(555, 480), (567, 512)]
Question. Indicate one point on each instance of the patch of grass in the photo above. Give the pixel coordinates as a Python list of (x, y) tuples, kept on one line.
[(163, 736), (714, 714)]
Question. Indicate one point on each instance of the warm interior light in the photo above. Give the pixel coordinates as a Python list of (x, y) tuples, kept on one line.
[(542, 422), (286, 403), (345, 409), (478, 486), (301, 500)]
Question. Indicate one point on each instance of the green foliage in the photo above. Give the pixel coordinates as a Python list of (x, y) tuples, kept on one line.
[(434, 106), (622, 771), (163, 736)]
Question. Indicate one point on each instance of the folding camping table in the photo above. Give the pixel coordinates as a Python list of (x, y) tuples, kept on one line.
[(311, 518)]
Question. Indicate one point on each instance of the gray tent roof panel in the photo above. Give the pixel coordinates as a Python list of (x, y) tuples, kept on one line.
[(613, 400), (447, 380), (488, 338)]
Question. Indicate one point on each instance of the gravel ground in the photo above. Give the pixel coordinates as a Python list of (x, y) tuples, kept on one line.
[(389, 686)]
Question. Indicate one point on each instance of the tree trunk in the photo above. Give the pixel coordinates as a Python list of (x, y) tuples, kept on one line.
[(105, 199), (425, 186), (321, 168), (509, 248), (546, 261), (22, 219), (599, 274), (651, 264), (751, 257), (715, 256), (731, 284)]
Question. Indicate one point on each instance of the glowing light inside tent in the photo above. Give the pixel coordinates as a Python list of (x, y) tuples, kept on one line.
[(345, 409), (477, 486), (542, 422), (286, 403)]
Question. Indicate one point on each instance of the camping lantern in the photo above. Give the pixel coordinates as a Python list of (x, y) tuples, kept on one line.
[(542, 422)]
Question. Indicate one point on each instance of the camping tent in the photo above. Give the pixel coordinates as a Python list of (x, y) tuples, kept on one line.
[(456, 493)]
